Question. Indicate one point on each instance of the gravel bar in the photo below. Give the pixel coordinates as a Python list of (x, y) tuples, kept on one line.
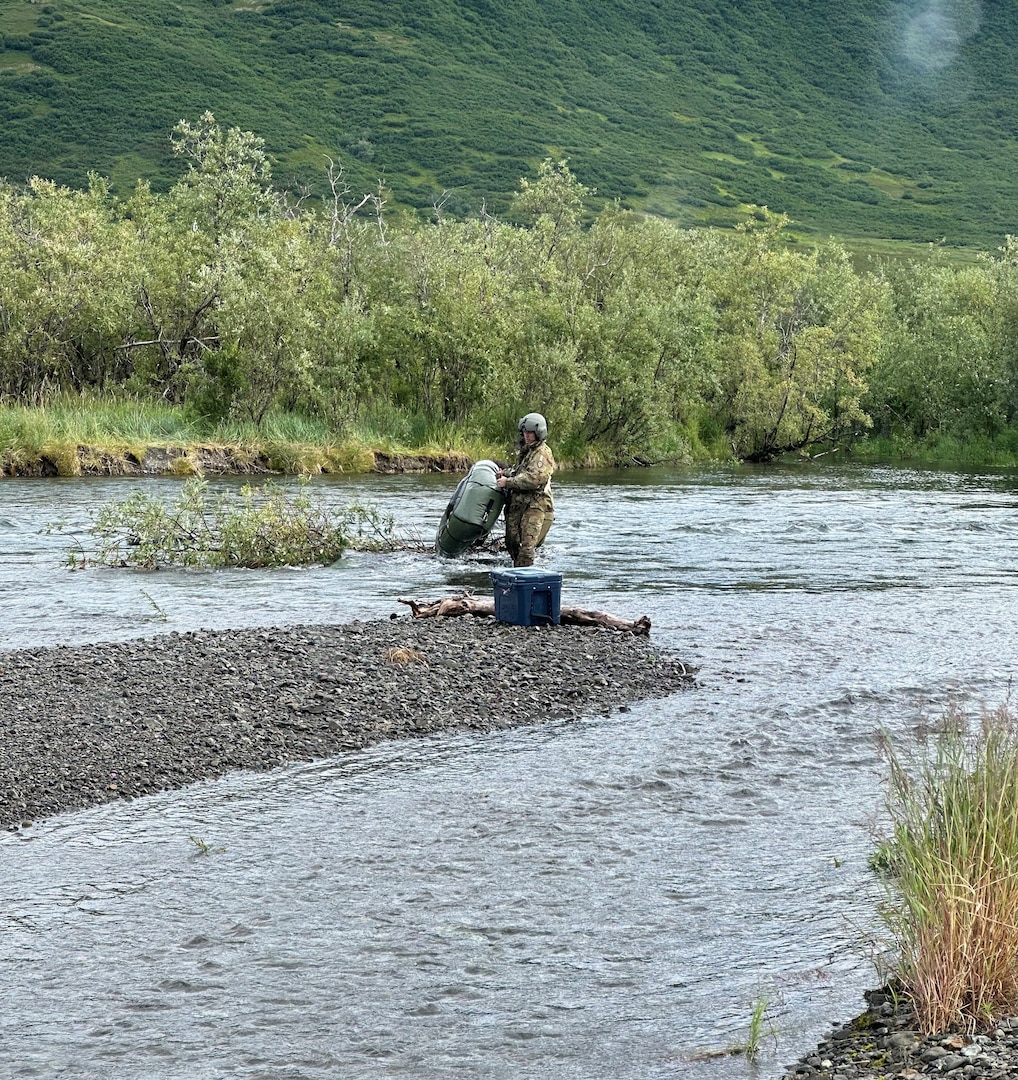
[(89, 724), (884, 1044)]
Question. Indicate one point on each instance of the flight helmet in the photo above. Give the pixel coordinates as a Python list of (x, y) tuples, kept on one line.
[(536, 423)]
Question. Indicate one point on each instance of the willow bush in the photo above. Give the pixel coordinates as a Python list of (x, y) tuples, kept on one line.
[(634, 337), (259, 527), (951, 866)]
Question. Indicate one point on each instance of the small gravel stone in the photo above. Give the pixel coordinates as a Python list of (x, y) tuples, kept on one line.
[(85, 725)]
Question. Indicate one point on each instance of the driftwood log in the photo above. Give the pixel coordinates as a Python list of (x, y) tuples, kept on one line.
[(463, 604)]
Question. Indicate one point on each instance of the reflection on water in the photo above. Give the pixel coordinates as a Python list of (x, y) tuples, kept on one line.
[(606, 897)]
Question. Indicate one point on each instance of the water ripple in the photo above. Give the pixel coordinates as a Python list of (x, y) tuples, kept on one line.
[(604, 897)]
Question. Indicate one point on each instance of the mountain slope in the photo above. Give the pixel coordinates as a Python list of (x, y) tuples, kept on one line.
[(868, 118)]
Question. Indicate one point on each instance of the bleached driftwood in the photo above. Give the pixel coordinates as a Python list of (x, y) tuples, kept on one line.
[(464, 604)]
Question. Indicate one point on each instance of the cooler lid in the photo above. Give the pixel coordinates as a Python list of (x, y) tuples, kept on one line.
[(525, 575)]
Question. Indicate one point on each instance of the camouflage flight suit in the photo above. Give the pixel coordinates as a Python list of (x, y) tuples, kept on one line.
[(529, 510)]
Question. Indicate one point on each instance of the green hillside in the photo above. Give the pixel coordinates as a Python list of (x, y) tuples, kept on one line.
[(867, 118)]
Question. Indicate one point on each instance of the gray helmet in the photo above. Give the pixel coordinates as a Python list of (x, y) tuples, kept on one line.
[(536, 423)]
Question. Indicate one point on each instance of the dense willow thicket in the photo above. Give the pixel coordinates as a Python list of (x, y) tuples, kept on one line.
[(635, 337)]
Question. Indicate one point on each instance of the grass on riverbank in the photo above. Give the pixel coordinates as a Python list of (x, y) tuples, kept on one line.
[(90, 433), (112, 430), (78, 434), (939, 450), (951, 865)]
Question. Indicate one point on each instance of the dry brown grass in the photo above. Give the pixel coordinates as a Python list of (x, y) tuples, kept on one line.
[(953, 873), (404, 656)]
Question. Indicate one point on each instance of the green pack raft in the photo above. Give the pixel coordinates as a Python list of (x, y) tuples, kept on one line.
[(472, 511)]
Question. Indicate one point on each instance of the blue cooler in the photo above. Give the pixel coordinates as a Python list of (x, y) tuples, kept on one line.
[(527, 596)]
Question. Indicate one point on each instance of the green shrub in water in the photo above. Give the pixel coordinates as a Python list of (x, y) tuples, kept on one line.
[(260, 527)]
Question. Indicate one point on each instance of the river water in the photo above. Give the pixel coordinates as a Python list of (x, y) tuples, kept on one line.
[(605, 898)]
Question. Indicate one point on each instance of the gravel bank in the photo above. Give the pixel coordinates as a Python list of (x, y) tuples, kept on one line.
[(90, 724), (883, 1044)]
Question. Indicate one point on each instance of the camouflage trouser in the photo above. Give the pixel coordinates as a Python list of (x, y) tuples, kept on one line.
[(526, 525)]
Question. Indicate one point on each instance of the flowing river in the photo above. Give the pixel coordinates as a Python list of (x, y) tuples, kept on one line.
[(610, 898)]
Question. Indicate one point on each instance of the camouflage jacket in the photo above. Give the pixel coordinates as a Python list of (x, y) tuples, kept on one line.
[(530, 478)]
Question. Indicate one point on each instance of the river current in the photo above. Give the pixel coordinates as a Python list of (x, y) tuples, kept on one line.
[(608, 898)]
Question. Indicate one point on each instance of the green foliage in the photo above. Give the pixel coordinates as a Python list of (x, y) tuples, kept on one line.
[(943, 366), (65, 281), (864, 121), (262, 527), (809, 332), (637, 339), (214, 249), (756, 1028)]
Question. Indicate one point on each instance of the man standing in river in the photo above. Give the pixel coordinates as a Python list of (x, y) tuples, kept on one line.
[(529, 509)]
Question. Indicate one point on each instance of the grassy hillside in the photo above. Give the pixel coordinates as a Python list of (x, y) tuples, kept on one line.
[(867, 118)]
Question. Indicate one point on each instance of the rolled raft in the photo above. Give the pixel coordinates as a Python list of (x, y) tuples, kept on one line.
[(472, 511)]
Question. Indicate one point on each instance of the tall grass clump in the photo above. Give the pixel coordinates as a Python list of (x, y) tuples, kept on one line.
[(951, 866), (756, 1028), (91, 419)]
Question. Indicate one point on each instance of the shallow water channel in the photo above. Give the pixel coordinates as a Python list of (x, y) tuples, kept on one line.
[(607, 898)]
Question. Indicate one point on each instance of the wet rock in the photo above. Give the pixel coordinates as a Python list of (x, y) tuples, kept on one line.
[(85, 725)]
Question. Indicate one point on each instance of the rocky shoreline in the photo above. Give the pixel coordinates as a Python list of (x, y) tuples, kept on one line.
[(883, 1043), (90, 724)]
